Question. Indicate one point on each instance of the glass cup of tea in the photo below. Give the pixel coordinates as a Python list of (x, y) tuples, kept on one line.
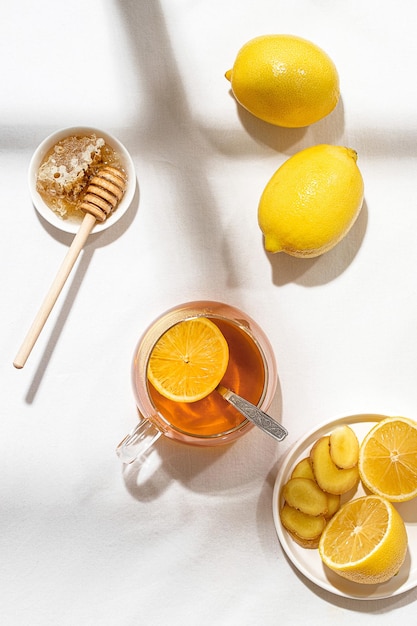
[(251, 373)]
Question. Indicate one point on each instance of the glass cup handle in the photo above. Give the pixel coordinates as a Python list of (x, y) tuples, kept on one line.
[(138, 441)]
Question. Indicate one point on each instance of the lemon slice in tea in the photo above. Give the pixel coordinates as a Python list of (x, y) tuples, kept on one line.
[(189, 360)]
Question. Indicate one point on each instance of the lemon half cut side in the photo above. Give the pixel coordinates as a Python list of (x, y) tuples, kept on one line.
[(365, 541), (388, 459)]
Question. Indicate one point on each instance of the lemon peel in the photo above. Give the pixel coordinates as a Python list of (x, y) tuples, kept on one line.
[(311, 201), (285, 80)]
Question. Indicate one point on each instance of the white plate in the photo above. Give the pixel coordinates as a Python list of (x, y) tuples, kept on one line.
[(308, 561), (68, 225)]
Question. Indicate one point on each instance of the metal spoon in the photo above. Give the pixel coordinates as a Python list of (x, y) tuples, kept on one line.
[(261, 419)]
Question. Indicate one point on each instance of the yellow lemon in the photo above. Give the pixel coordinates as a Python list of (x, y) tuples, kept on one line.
[(365, 541), (189, 360), (388, 459), (311, 201), (284, 80)]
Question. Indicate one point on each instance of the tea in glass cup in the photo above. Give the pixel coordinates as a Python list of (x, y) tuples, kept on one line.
[(251, 373)]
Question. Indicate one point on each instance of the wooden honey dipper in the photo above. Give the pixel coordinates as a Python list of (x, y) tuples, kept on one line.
[(102, 196)]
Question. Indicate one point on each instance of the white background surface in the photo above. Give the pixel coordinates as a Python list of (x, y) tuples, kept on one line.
[(189, 539)]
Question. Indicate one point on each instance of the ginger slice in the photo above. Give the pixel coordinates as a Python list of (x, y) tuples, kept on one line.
[(329, 477), (333, 504), (309, 544), (344, 447), (305, 495), (306, 527), (303, 469)]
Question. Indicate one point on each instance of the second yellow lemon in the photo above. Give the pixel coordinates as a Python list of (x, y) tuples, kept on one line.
[(311, 201), (284, 80)]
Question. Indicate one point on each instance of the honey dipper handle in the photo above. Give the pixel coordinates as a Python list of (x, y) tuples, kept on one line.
[(54, 291)]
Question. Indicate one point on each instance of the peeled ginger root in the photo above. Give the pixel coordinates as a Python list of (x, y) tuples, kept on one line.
[(312, 495)]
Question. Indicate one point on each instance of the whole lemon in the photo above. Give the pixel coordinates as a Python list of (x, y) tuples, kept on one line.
[(311, 201), (284, 80)]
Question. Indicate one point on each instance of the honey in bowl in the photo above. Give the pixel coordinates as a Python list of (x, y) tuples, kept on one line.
[(68, 167)]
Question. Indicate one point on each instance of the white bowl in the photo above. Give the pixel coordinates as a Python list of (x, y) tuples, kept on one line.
[(72, 225)]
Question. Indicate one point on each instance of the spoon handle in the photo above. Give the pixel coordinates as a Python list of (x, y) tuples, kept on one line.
[(54, 290), (261, 419)]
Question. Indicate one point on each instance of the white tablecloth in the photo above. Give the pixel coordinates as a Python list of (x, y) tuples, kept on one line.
[(189, 538)]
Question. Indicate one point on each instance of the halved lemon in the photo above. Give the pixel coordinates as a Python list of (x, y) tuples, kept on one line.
[(388, 459), (189, 360), (365, 541)]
